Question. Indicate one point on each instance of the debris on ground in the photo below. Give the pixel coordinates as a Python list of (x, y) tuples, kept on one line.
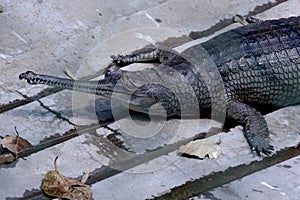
[(201, 149), (6, 158), (57, 185), (11, 147)]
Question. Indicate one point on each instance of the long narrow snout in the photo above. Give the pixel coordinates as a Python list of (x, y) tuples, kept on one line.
[(103, 87)]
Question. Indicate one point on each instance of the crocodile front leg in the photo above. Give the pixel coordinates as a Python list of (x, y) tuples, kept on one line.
[(144, 55), (255, 126)]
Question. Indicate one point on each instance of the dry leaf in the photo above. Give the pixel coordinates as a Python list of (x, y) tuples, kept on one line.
[(15, 144), (57, 185), (69, 73), (6, 157), (201, 148)]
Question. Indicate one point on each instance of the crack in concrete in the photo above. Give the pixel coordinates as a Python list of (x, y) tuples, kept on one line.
[(57, 139), (56, 113), (21, 102)]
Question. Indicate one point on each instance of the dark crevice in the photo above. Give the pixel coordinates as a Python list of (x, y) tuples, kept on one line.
[(226, 22), (107, 171), (265, 7), (56, 113), (95, 176), (190, 188), (217, 179), (54, 140), (21, 102), (113, 138)]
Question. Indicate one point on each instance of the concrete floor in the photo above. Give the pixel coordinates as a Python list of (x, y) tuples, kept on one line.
[(47, 36)]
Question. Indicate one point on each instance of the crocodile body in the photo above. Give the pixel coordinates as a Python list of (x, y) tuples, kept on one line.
[(258, 66), (260, 63)]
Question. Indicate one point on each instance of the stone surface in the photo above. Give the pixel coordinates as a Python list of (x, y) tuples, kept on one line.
[(27, 174), (277, 182), (172, 170), (33, 122), (47, 36)]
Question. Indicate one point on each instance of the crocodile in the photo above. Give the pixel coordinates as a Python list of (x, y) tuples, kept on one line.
[(258, 66)]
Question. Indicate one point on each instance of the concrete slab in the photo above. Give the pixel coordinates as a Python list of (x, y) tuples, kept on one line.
[(27, 174), (280, 181), (33, 122), (199, 16), (277, 182), (159, 176), (45, 36), (55, 34)]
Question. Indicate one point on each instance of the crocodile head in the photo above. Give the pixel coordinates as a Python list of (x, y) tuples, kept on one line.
[(127, 88)]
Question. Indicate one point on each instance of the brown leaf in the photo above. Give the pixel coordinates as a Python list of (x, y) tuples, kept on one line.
[(57, 185), (6, 157), (201, 149), (15, 144)]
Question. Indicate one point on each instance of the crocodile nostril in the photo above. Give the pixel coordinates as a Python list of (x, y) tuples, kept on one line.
[(22, 76)]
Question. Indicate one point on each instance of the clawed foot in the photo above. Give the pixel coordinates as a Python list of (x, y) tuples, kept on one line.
[(260, 143), (262, 147), (257, 134), (142, 55)]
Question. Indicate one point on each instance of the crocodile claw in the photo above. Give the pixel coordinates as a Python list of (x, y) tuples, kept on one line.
[(260, 144), (268, 150)]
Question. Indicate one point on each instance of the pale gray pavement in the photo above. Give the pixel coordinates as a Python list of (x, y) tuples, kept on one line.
[(46, 36)]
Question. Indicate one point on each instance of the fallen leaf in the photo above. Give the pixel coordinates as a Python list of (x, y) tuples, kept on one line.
[(69, 73), (201, 149), (57, 185), (6, 157), (15, 144)]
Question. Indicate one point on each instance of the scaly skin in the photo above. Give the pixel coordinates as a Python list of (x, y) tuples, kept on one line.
[(258, 64)]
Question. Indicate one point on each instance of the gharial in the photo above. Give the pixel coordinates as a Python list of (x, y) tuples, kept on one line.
[(258, 64)]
